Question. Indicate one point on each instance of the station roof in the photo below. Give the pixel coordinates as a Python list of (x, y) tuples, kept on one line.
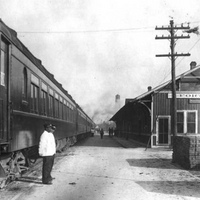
[(191, 75)]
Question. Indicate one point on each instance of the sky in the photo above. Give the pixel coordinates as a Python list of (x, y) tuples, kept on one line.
[(100, 48)]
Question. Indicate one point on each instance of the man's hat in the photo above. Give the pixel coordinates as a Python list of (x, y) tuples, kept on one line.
[(46, 125), (53, 126)]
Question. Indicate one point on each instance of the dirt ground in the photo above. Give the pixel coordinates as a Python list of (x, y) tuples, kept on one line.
[(108, 169)]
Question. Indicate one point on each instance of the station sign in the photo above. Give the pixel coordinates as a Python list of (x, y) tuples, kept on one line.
[(185, 95)]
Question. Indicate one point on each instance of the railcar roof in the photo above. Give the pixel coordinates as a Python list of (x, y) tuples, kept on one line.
[(11, 35)]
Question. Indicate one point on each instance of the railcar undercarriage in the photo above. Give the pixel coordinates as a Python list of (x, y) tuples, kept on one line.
[(13, 165)]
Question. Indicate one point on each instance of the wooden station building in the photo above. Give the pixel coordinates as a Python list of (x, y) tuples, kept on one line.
[(147, 118)]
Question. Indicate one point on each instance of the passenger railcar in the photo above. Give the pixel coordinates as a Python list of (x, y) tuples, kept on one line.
[(29, 97)]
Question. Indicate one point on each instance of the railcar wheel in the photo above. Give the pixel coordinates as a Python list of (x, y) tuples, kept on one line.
[(31, 155), (16, 164)]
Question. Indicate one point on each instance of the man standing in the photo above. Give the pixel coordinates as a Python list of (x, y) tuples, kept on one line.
[(47, 149)]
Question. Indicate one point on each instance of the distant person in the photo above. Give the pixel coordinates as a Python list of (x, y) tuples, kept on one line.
[(101, 133), (47, 149), (114, 132), (111, 132)]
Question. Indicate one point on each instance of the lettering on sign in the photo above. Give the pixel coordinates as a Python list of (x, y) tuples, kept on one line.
[(194, 101), (186, 96)]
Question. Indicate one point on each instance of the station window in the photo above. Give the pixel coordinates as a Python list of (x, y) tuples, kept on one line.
[(186, 121)]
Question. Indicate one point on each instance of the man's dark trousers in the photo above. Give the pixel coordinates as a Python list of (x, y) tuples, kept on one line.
[(48, 162)]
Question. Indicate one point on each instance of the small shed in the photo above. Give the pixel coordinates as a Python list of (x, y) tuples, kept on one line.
[(147, 118)]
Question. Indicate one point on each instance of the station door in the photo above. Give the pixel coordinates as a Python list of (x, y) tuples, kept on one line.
[(164, 130)]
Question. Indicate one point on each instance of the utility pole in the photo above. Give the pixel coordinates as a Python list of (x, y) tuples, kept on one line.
[(172, 29)]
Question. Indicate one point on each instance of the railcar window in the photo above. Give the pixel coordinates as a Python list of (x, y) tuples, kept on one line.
[(73, 114), (4, 55), (51, 106), (67, 111), (61, 109), (56, 108), (44, 99), (44, 102), (70, 110), (34, 98), (24, 84), (3, 68)]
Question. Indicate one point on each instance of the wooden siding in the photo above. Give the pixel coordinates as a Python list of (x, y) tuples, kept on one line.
[(162, 106)]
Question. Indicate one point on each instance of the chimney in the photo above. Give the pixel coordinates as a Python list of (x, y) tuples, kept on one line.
[(193, 64), (117, 98), (149, 88)]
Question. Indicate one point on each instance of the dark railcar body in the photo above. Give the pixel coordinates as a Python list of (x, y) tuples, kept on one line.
[(30, 97)]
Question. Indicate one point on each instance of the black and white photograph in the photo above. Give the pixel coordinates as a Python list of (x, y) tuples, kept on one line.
[(99, 100)]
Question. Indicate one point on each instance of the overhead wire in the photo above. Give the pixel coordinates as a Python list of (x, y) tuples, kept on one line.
[(110, 30), (181, 60), (96, 31), (85, 31)]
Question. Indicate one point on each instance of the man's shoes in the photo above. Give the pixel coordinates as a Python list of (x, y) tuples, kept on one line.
[(48, 183), (52, 178)]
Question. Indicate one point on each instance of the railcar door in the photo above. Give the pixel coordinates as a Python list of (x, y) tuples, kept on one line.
[(3, 92)]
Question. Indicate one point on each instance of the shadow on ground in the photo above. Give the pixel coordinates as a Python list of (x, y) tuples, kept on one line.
[(152, 163), (107, 141), (28, 179), (180, 188)]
